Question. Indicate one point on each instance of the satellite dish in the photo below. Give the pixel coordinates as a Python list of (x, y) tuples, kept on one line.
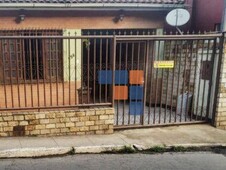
[(177, 17)]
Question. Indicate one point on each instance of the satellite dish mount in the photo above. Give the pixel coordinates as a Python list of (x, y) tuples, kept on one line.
[(178, 17)]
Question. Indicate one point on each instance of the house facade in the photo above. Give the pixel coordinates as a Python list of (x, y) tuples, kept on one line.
[(87, 67)]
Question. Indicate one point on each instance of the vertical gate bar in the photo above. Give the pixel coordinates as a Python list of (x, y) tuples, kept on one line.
[(94, 70), (120, 64), (172, 84), (203, 94), (69, 68), (10, 70), (145, 78), (151, 75), (31, 74), (211, 79), (24, 71), (57, 70), (156, 83), (50, 71), (167, 82), (88, 70), (44, 68), (138, 67), (100, 66), (178, 82), (113, 53), (184, 78), (4, 76), (106, 58), (37, 68), (195, 72), (160, 108), (82, 72), (191, 54), (75, 67), (197, 103), (124, 101), (221, 48), (132, 69), (17, 70)]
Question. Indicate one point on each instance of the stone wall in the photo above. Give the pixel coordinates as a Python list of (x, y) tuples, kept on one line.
[(47, 123), (220, 115)]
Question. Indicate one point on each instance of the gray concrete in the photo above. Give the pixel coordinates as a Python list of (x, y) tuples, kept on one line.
[(167, 161), (189, 135)]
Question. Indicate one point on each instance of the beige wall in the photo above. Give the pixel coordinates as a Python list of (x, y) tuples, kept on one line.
[(86, 20)]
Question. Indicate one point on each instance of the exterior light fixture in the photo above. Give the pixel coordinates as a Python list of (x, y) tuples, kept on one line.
[(21, 17)]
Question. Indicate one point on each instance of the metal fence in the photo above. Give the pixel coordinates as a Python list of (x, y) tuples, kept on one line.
[(123, 71)]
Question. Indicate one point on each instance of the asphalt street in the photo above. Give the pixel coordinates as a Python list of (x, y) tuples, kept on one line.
[(165, 161)]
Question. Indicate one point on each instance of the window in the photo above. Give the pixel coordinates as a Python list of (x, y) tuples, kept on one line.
[(31, 59)]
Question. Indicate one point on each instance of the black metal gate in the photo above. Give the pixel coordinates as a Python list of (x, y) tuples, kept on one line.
[(163, 80)]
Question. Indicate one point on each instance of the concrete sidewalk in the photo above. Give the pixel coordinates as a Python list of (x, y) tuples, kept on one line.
[(189, 135)]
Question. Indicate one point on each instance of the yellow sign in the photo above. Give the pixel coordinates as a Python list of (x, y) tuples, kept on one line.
[(164, 64)]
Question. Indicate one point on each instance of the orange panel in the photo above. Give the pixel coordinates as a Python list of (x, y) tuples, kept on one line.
[(120, 92), (136, 76)]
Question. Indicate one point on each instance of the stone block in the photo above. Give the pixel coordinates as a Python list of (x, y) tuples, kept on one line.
[(13, 123), (103, 117), (82, 119), (94, 118), (34, 122), (7, 118), (39, 127), (50, 115), (109, 121), (30, 127), (44, 121), (55, 131), (85, 128), (60, 125), (70, 114), (23, 123), (100, 112), (88, 123), (94, 127), (79, 114), (60, 114), (64, 130), (35, 132), (74, 119), (45, 131), (30, 117), (18, 117), (79, 124), (90, 113), (50, 126), (8, 129), (40, 115), (70, 124)]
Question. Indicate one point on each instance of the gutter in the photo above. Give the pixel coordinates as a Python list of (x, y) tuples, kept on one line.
[(89, 6)]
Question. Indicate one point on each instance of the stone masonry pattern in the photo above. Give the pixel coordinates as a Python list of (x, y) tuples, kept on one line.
[(52, 123), (220, 116)]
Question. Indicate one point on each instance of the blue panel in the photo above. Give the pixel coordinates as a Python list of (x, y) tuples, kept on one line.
[(136, 92), (121, 77), (136, 108), (105, 77)]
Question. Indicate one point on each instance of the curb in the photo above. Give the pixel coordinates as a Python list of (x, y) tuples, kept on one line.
[(35, 152), (135, 148), (98, 149)]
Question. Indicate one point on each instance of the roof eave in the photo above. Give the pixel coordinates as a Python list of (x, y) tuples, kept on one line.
[(90, 6)]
